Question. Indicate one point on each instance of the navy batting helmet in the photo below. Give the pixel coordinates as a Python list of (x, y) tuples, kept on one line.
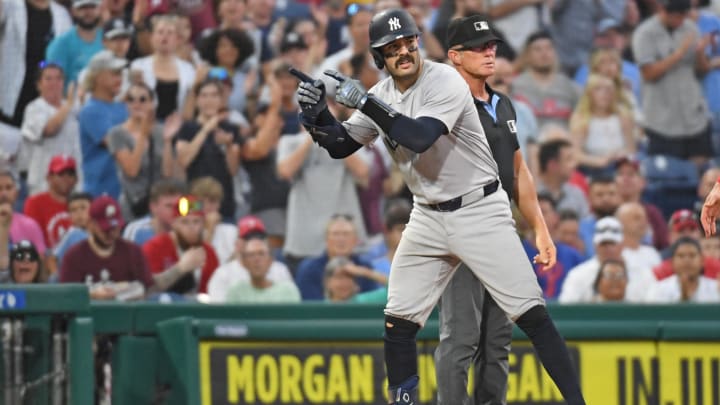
[(387, 26)]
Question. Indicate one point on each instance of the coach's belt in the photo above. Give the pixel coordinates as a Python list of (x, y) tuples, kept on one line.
[(457, 202)]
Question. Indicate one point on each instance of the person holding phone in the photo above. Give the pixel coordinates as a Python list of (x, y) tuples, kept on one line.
[(209, 145)]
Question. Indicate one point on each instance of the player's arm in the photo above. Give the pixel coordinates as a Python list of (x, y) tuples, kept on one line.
[(416, 134), (527, 201), (319, 121)]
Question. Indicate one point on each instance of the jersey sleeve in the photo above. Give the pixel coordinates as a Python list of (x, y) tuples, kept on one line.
[(445, 100), (361, 128), (643, 48)]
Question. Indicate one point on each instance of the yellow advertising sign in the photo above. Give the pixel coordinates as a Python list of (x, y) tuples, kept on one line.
[(690, 373), (611, 373)]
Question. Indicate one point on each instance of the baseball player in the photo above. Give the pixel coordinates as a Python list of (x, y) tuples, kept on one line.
[(426, 117), (472, 325)]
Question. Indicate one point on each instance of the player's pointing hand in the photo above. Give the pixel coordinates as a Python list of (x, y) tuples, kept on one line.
[(310, 95), (350, 92)]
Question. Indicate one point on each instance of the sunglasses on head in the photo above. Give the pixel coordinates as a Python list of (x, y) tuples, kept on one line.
[(186, 206), (356, 8), (218, 73), (48, 64)]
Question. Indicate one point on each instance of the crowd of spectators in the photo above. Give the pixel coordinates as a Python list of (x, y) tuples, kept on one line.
[(152, 149)]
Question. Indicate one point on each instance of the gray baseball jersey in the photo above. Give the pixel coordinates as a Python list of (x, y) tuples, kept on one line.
[(455, 164), (480, 232)]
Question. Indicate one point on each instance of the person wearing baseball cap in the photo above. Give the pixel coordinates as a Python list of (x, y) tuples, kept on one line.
[(49, 208), (683, 222), (26, 266), (117, 35), (249, 226), (105, 257), (73, 49), (609, 245), (473, 50), (117, 38), (104, 81), (233, 271), (181, 254)]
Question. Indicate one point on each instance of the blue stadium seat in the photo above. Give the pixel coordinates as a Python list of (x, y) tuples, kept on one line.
[(671, 183)]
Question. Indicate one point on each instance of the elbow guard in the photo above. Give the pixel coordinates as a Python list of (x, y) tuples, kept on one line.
[(331, 135), (415, 134)]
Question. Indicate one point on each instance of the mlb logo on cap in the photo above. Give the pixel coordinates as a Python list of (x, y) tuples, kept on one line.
[(481, 26)]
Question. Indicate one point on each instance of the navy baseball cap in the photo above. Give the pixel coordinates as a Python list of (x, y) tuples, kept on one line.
[(117, 28), (470, 32), (676, 6)]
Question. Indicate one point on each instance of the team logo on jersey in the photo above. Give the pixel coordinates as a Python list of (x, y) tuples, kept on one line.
[(511, 126), (481, 26), (394, 24)]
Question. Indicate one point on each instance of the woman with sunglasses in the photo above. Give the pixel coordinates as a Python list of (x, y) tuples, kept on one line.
[(50, 126), (142, 149), (25, 264)]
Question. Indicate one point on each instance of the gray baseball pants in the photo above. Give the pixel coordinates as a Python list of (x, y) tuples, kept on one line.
[(473, 330)]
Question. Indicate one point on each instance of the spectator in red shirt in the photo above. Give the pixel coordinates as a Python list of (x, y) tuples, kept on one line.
[(49, 208), (182, 252), (684, 223), (105, 261)]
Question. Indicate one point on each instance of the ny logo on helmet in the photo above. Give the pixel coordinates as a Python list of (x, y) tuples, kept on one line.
[(394, 24)]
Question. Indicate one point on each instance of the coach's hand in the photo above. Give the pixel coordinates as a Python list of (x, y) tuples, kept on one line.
[(350, 93)]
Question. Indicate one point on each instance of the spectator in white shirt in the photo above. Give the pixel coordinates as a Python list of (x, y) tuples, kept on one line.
[(688, 284), (608, 239), (49, 126), (635, 225), (232, 272)]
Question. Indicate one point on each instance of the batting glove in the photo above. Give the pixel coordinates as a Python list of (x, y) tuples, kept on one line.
[(350, 93), (311, 97)]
